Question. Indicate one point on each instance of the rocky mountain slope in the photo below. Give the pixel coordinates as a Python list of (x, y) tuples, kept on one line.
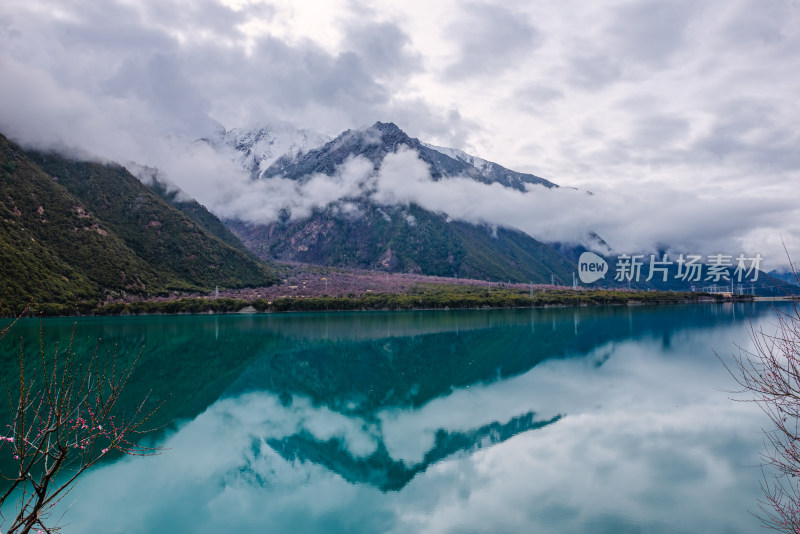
[(375, 142), (258, 149), (366, 233)]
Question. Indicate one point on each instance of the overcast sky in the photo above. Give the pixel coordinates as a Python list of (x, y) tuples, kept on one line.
[(686, 112)]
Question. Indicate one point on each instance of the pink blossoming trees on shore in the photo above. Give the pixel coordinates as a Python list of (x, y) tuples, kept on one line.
[(64, 419)]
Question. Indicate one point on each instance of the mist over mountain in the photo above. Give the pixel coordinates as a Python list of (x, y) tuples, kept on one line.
[(368, 199), (786, 276), (73, 231), (607, 99), (384, 166), (379, 140), (377, 198), (257, 149), (296, 171)]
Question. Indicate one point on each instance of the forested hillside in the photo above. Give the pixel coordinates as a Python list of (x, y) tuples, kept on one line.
[(72, 231)]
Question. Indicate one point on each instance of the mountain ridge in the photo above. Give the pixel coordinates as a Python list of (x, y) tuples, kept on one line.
[(358, 231), (383, 138), (257, 149), (73, 231)]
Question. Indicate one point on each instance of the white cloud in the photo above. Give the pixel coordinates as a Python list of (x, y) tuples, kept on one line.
[(638, 218), (664, 111)]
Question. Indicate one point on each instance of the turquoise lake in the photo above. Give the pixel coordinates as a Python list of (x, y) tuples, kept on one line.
[(585, 420)]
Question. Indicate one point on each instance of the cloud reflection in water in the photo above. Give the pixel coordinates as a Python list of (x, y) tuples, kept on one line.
[(649, 442)]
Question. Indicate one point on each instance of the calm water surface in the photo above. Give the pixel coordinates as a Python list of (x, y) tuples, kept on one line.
[(558, 420)]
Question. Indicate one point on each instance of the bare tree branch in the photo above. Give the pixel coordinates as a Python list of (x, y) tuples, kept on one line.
[(769, 375), (65, 418)]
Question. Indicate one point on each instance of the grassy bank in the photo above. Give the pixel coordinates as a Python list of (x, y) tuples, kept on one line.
[(421, 296)]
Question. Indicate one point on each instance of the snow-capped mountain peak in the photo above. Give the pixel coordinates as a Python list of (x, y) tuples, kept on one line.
[(380, 139), (258, 148), (295, 153)]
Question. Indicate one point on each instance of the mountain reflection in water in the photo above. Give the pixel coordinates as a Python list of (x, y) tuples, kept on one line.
[(379, 422)]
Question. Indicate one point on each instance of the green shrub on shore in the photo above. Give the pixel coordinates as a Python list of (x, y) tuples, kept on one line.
[(422, 296)]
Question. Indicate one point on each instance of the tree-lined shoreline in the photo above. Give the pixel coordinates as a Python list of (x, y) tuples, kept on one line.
[(420, 297)]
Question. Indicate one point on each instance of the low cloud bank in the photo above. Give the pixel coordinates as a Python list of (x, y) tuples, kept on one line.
[(630, 217), (634, 219), (694, 100)]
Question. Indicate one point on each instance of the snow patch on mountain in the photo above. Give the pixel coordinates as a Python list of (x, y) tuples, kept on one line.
[(484, 166), (490, 171), (257, 149)]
